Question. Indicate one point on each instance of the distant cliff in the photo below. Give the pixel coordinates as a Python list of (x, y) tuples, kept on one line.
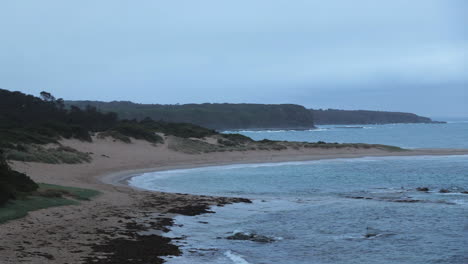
[(346, 117), (215, 116)]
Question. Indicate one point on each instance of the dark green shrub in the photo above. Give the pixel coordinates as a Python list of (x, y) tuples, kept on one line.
[(13, 182), (81, 133), (227, 143), (138, 131), (115, 135), (237, 138), (183, 130), (266, 141), (6, 193)]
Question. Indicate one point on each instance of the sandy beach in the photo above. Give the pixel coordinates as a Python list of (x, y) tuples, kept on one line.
[(105, 229)]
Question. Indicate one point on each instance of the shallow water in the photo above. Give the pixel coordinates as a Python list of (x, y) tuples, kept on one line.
[(364, 210), (450, 135), (321, 211)]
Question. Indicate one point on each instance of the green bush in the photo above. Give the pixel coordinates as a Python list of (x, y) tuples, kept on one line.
[(183, 130), (116, 135), (13, 182), (6, 193), (227, 143), (36, 153), (238, 138), (138, 131)]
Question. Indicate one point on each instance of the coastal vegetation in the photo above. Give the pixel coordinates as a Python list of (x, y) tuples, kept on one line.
[(44, 196), (31, 129), (52, 155), (237, 142), (249, 116), (12, 183), (19, 194), (28, 123), (214, 116)]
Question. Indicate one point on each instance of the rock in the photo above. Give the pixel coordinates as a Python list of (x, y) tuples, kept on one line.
[(444, 191), (359, 197), (406, 201), (250, 237), (368, 235), (422, 189)]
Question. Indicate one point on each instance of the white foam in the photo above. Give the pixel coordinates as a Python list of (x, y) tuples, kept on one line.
[(276, 131), (235, 258), (460, 202)]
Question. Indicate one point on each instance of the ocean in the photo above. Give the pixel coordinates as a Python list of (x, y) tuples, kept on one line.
[(363, 210)]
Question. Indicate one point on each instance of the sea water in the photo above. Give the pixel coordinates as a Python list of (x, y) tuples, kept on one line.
[(449, 135), (363, 210)]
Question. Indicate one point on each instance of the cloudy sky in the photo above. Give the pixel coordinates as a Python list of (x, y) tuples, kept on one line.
[(394, 55)]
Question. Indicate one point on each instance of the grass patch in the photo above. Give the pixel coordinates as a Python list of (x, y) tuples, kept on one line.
[(77, 193), (19, 208), (48, 195)]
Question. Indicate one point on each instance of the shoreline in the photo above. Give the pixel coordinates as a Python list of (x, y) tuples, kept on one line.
[(106, 229), (121, 178)]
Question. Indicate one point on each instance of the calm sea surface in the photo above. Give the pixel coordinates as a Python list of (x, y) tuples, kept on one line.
[(364, 210)]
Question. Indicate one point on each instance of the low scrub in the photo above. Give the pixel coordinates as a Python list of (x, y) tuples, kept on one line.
[(183, 130), (195, 146), (325, 145), (36, 153), (235, 139), (115, 135), (137, 131), (13, 183)]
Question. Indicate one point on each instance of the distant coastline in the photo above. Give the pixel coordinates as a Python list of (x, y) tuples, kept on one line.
[(235, 117), (366, 117)]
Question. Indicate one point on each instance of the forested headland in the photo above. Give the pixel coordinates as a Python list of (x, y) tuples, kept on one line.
[(349, 117), (249, 116), (214, 116)]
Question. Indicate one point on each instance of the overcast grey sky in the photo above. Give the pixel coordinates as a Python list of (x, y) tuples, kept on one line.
[(406, 55)]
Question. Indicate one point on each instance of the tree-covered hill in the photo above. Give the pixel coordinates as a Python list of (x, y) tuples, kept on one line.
[(26, 119), (347, 117), (28, 124), (215, 116)]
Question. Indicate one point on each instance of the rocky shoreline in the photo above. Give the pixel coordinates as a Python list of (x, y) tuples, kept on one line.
[(141, 239)]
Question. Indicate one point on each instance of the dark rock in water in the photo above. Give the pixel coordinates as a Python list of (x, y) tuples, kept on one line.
[(251, 237), (191, 210), (406, 201), (359, 197), (370, 235), (444, 191), (422, 189), (464, 192)]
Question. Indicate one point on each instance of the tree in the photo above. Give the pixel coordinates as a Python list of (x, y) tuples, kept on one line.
[(47, 96)]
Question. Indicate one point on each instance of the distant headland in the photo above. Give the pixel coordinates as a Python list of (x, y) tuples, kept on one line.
[(250, 116), (352, 117)]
